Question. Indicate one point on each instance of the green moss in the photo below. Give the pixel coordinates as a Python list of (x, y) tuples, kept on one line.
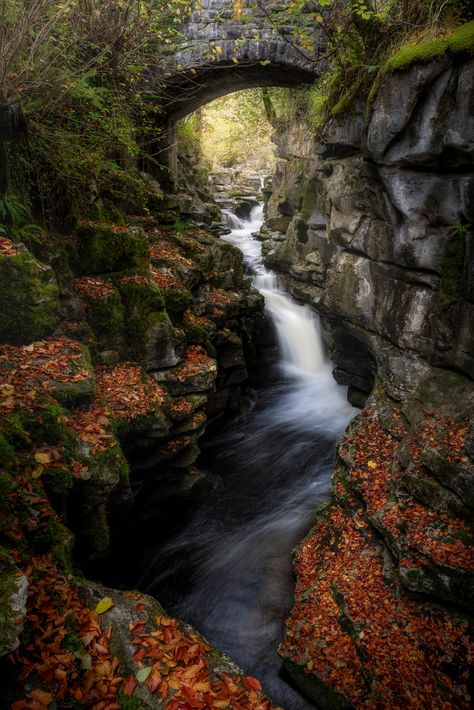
[(176, 302), (7, 453), (51, 427), (143, 296), (72, 641), (460, 40), (62, 551), (75, 394), (105, 212), (108, 469), (103, 248), (143, 307), (342, 104), (7, 484), (317, 102), (28, 298), (374, 90), (57, 482), (193, 332), (16, 427), (46, 539), (106, 319), (7, 588), (129, 702)]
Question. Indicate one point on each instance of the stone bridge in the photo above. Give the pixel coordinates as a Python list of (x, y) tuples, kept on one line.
[(222, 51)]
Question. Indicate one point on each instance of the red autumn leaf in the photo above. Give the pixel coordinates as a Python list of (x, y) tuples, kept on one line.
[(129, 685), (252, 683), (153, 681), (137, 627)]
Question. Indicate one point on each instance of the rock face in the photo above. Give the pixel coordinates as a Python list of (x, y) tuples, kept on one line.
[(373, 227), (29, 299), (380, 240), (100, 419)]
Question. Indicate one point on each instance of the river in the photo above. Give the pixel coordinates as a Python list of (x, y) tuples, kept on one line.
[(229, 572)]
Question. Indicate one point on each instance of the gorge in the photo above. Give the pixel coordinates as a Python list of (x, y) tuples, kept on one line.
[(171, 428)]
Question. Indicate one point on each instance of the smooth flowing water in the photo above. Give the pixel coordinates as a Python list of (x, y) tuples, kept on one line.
[(229, 572)]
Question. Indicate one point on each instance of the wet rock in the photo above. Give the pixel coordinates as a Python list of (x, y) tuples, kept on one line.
[(196, 374), (425, 547), (405, 131), (104, 248), (29, 305), (13, 597), (166, 346), (134, 617)]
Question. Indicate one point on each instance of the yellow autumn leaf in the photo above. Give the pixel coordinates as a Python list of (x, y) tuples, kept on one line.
[(371, 464), (7, 390), (43, 457), (104, 605), (37, 471)]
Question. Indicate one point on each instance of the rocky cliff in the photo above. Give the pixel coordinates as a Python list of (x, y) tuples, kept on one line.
[(122, 341), (372, 223)]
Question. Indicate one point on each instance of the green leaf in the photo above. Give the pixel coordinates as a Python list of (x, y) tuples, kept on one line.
[(142, 674)]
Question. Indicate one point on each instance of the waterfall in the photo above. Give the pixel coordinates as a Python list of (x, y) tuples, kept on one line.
[(297, 327), (229, 571), (232, 220)]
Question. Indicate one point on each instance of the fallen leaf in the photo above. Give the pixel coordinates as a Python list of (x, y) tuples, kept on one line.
[(129, 685), (43, 457), (104, 605), (142, 674)]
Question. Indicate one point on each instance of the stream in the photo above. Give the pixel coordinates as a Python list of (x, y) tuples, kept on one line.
[(229, 572)]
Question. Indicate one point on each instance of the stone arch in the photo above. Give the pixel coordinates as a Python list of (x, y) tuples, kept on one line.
[(218, 54)]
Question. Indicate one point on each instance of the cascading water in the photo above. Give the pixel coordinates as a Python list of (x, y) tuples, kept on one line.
[(296, 326), (229, 572)]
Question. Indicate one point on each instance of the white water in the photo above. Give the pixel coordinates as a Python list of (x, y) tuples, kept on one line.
[(229, 572), (296, 326)]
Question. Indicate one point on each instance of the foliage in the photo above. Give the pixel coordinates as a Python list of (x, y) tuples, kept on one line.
[(459, 40), (233, 132), (14, 219), (74, 73), (359, 36)]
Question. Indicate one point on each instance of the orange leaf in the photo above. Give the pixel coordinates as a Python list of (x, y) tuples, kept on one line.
[(129, 685), (42, 696), (252, 683)]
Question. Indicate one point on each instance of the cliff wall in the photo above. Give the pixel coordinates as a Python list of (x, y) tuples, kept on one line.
[(372, 223)]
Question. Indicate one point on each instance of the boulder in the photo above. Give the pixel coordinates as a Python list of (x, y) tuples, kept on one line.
[(29, 303), (104, 248)]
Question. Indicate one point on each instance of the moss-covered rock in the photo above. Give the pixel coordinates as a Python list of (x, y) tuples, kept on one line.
[(459, 40), (196, 374), (177, 300), (28, 298), (103, 248), (104, 313), (149, 334), (13, 595), (105, 475)]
